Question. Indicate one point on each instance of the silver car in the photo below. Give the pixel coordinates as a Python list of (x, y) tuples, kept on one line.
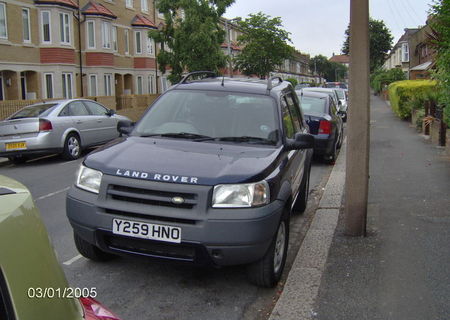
[(63, 126)]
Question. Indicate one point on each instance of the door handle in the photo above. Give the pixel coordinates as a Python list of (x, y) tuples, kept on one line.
[(99, 121), (79, 121)]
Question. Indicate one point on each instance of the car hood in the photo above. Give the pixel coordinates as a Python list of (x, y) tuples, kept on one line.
[(185, 161)]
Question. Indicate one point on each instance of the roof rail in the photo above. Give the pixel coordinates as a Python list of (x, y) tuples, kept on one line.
[(269, 82), (211, 74)]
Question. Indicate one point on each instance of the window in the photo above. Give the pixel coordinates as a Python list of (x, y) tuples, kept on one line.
[(288, 125), (295, 114), (107, 84), (26, 25), (93, 85), (405, 52), (95, 108), (144, 5), (3, 23), (139, 85), (64, 28), (48, 85), (149, 46), (46, 26), (114, 38), (106, 35), (2, 96), (138, 42), (160, 14), (67, 85), (127, 42), (91, 34), (129, 3), (150, 84), (77, 108), (164, 84)]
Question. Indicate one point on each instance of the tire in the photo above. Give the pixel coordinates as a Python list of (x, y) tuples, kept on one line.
[(267, 271), (17, 159), (331, 158), (90, 251), (341, 140), (302, 197), (72, 147)]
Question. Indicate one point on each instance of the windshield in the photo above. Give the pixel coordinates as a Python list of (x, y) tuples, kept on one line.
[(35, 111), (211, 114), (340, 94), (313, 105)]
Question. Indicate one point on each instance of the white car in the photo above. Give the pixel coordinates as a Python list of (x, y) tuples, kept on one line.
[(63, 126)]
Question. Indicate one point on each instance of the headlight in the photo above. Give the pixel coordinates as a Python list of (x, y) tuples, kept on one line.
[(241, 195), (89, 179)]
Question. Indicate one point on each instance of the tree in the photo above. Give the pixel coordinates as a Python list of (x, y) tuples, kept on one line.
[(380, 39), (319, 64), (265, 45), (331, 71), (440, 38), (190, 41)]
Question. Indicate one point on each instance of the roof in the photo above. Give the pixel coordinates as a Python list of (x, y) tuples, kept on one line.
[(341, 58), (142, 21), (64, 3), (94, 8), (422, 67)]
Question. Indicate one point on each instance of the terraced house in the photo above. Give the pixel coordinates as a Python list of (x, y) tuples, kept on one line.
[(68, 48)]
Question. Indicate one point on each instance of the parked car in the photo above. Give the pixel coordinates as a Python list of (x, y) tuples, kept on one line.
[(32, 283), (209, 175), (335, 96), (324, 121), (341, 85), (342, 95), (64, 126)]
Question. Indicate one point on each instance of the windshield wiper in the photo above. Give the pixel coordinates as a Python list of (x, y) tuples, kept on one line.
[(182, 135), (246, 139)]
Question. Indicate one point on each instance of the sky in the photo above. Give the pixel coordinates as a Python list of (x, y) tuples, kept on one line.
[(318, 26)]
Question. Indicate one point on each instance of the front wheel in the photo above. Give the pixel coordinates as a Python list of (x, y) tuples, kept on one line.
[(267, 271), (302, 197), (90, 251), (72, 147)]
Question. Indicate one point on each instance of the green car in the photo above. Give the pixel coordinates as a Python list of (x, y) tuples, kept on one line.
[(32, 283)]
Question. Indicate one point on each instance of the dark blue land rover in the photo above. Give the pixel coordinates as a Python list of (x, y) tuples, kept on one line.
[(209, 175)]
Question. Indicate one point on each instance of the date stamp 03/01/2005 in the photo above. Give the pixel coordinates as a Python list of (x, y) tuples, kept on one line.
[(61, 293)]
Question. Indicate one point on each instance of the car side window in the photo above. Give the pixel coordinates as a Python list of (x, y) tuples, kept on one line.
[(77, 108), (295, 114), (95, 108), (64, 112), (288, 124), (333, 110)]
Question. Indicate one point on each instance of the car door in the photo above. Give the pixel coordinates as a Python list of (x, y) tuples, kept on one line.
[(105, 125), (84, 123), (293, 124), (336, 121)]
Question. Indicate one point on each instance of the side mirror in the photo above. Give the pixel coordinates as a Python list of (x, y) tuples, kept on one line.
[(300, 141), (110, 112), (125, 127), (342, 113)]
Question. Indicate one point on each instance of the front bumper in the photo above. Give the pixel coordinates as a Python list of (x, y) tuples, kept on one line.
[(208, 236)]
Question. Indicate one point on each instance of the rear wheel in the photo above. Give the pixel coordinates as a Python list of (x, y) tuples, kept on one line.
[(72, 147), (18, 159), (267, 271), (90, 251), (331, 158)]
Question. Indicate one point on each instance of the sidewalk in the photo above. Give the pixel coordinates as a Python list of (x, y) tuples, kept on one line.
[(401, 270)]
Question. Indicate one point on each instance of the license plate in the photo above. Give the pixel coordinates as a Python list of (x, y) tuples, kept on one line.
[(16, 146), (146, 230)]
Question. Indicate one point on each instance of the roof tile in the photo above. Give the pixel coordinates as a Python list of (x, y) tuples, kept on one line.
[(94, 8), (142, 21)]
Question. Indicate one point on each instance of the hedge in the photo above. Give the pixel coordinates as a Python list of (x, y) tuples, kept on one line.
[(401, 93)]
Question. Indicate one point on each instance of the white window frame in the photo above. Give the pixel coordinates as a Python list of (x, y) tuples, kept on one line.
[(405, 52), (67, 82), (164, 84), (115, 47), (29, 25), (3, 9), (88, 38), (139, 85), (144, 5), (126, 36), (136, 47), (106, 34), (160, 14), (93, 91), (150, 46), (129, 4), (49, 26), (107, 84), (46, 87), (65, 30), (150, 84)]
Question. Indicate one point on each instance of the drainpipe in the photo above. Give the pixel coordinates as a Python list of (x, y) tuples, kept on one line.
[(156, 53), (79, 52)]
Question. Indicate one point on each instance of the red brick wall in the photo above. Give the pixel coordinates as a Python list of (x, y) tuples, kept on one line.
[(99, 59), (57, 55), (144, 63)]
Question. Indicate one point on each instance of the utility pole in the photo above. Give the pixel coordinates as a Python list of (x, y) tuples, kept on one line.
[(358, 139)]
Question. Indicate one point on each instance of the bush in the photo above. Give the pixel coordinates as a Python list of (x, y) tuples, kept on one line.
[(293, 81), (380, 78), (407, 95)]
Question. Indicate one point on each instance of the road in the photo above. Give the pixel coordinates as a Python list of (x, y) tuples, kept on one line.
[(140, 289)]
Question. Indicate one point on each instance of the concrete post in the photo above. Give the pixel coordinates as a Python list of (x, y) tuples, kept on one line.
[(358, 140)]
